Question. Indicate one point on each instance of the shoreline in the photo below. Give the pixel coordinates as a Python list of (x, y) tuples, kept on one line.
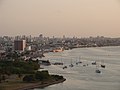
[(39, 85)]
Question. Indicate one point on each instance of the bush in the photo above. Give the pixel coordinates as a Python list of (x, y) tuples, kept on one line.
[(42, 75), (3, 77), (29, 78), (16, 67), (57, 77), (0, 78)]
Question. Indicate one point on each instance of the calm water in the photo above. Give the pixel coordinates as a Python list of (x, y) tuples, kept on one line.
[(85, 78)]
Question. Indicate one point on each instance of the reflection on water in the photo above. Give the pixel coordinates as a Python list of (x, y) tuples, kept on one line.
[(82, 77)]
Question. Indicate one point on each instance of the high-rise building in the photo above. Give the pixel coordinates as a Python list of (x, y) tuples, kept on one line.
[(19, 45)]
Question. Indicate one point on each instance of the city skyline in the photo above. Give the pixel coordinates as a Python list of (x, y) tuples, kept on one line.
[(79, 18)]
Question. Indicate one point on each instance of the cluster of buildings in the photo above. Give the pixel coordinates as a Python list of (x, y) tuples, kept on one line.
[(29, 46)]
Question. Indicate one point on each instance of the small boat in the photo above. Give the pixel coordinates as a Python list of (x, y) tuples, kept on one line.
[(71, 65), (94, 63), (84, 65), (44, 62), (58, 63), (98, 71), (78, 61), (103, 65), (64, 67)]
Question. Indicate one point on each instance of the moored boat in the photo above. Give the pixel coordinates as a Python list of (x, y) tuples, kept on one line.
[(64, 67), (103, 66), (44, 62), (94, 63), (98, 71), (58, 63)]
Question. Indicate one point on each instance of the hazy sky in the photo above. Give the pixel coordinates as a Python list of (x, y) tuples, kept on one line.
[(81, 18)]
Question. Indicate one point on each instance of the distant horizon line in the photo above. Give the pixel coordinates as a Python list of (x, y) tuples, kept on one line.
[(60, 36)]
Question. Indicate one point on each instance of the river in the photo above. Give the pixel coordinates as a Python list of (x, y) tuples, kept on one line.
[(81, 77)]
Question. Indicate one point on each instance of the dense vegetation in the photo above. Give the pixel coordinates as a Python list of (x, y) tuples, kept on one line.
[(42, 76), (23, 74), (26, 68), (17, 67)]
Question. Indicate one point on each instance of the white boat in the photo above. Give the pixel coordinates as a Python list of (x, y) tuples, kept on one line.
[(71, 65), (94, 63), (78, 62)]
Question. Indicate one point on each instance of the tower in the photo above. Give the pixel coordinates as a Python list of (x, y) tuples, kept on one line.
[(19, 45)]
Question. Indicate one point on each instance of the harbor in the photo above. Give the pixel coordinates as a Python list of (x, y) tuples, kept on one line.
[(85, 75)]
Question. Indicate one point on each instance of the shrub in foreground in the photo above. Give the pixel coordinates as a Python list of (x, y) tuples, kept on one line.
[(29, 78), (42, 75)]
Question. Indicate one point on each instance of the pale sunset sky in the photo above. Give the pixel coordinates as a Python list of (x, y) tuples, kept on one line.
[(80, 18)]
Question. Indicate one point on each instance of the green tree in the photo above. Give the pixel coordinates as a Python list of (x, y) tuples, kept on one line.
[(29, 78), (42, 75)]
